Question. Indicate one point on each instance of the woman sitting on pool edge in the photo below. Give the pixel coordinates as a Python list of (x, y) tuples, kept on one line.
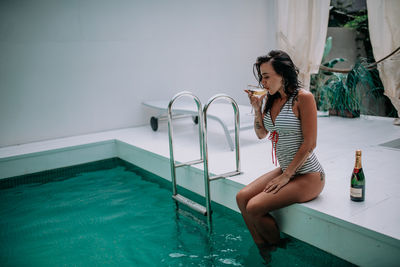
[(290, 118)]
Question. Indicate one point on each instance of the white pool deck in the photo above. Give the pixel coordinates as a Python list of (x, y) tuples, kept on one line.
[(366, 233)]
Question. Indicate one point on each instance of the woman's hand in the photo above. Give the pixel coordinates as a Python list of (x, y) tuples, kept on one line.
[(277, 183), (255, 101)]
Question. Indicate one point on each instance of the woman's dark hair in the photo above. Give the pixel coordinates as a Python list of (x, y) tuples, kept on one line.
[(283, 66)]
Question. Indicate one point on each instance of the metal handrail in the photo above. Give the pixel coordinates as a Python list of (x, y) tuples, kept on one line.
[(202, 122), (207, 177), (170, 131)]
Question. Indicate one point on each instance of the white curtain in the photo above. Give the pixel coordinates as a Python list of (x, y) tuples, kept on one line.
[(301, 32), (384, 30)]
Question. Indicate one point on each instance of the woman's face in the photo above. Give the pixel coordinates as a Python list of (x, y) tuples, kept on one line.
[(271, 81)]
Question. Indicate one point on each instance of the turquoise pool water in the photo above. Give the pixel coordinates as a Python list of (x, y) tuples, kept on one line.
[(123, 216)]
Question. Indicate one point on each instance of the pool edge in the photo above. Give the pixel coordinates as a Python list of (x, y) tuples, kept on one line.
[(328, 233)]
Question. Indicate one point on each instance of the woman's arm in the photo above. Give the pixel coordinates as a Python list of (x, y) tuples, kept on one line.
[(256, 102), (261, 132)]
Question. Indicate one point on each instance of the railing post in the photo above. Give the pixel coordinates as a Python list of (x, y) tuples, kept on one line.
[(207, 178), (170, 133)]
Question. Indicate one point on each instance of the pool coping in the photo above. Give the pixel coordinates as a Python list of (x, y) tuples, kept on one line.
[(330, 233)]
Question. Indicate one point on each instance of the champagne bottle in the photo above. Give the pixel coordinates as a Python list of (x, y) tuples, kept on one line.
[(357, 189)]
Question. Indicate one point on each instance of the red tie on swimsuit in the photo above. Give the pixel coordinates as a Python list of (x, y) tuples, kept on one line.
[(274, 136)]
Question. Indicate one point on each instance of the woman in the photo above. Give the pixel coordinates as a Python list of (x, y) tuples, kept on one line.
[(290, 118)]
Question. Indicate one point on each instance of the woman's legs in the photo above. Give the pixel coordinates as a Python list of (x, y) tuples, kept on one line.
[(248, 192), (255, 204)]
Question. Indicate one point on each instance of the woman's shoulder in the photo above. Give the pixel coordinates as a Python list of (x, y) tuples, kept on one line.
[(304, 96), (304, 100), (304, 93)]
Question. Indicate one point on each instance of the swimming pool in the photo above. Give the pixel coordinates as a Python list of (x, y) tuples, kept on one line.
[(113, 213)]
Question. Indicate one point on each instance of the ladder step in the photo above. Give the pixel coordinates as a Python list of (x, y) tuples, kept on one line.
[(191, 204), (197, 161), (224, 175)]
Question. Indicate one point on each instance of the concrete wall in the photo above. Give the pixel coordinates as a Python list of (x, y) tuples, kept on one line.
[(344, 45), (75, 67)]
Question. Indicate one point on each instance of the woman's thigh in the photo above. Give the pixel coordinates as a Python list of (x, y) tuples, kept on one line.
[(301, 188), (258, 185)]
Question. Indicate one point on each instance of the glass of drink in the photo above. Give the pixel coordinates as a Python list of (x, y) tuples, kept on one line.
[(255, 91)]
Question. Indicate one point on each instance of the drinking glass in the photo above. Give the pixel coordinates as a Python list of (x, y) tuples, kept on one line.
[(255, 91)]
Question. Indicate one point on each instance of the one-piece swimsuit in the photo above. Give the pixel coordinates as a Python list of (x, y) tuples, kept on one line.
[(287, 136)]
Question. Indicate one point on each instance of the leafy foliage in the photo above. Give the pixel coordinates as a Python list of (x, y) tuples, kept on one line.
[(317, 81), (356, 90), (344, 92)]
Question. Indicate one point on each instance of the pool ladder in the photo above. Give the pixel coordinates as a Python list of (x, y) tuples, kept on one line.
[(202, 124)]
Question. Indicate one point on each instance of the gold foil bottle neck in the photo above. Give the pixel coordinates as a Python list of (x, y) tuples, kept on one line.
[(357, 164)]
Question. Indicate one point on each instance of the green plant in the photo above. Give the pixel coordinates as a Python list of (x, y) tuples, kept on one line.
[(342, 15), (341, 97), (359, 22), (317, 81), (343, 92)]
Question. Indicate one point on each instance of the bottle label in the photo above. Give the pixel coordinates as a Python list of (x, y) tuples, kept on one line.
[(356, 192)]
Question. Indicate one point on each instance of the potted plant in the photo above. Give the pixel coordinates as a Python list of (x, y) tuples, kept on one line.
[(342, 92), (342, 99)]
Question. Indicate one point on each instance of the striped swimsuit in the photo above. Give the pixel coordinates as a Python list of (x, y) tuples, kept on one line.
[(287, 137)]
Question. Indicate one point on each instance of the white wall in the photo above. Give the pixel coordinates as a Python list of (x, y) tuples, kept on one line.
[(71, 67)]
